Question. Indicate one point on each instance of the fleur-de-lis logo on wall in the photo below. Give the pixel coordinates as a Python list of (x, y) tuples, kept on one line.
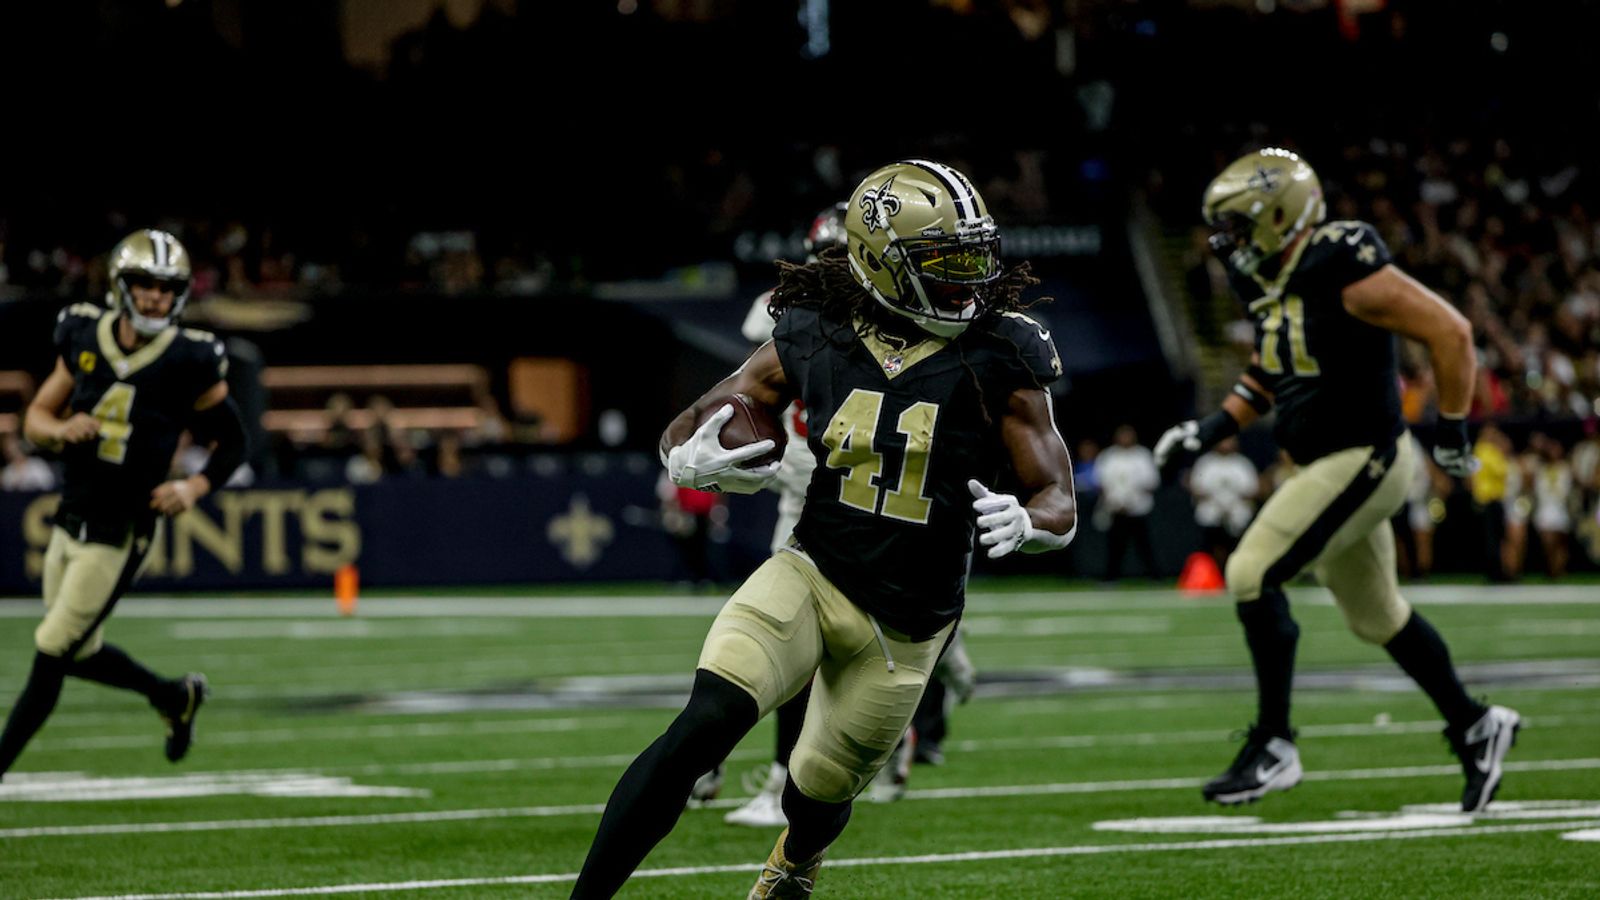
[(878, 204)]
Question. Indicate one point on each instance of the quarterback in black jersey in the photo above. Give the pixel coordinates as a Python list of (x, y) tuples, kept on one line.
[(922, 380), (1327, 305), (127, 383)]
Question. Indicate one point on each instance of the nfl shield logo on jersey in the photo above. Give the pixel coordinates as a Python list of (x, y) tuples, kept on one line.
[(892, 364)]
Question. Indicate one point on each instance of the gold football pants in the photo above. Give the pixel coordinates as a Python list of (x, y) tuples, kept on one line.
[(82, 582), (786, 623), (1332, 517)]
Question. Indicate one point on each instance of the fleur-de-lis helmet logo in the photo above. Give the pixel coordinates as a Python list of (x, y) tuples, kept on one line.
[(878, 204), (1265, 180)]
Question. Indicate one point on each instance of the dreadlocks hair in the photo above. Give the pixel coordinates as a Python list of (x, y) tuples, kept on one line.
[(827, 285)]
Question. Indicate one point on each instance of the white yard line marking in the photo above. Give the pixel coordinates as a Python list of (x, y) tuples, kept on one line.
[(1056, 626), (1017, 790), (1198, 736), (927, 859), (75, 787), (443, 815), (328, 628), (1046, 742), (294, 735), (678, 606)]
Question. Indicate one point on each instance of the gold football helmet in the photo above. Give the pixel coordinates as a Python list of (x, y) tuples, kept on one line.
[(1259, 204), (149, 258), (922, 243)]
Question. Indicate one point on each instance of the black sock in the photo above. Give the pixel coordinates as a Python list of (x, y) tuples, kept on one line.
[(813, 824), (1272, 634), (34, 705), (1421, 652), (111, 666), (791, 718), (650, 797), (929, 720)]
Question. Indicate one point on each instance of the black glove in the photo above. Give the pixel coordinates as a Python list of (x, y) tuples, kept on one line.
[(1451, 449)]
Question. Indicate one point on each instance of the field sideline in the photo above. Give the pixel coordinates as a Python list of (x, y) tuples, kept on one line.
[(461, 744)]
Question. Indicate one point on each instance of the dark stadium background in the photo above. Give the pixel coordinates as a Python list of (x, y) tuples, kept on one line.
[(602, 187)]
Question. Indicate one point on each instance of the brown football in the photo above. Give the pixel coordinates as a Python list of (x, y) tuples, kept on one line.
[(750, 423)]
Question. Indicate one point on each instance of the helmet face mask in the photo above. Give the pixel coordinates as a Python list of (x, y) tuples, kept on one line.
[(149, 260), (1259, 205), (922, 243), (1231, 241)]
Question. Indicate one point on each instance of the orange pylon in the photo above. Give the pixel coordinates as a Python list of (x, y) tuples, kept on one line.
[(346, 587), (1201, 575)]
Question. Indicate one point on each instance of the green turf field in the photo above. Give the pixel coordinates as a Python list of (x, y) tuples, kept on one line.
[(462, 746)]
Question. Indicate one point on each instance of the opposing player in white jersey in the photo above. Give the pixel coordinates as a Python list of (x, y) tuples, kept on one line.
[(765, 809)]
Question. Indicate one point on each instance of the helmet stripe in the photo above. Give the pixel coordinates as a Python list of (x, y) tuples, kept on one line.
[(159, 243), (949, 178)]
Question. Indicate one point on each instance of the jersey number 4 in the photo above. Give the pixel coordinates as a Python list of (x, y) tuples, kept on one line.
[(852, 446), (113, 411)]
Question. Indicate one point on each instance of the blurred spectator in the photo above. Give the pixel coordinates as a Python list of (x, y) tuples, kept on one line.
[(1552, 496), (1128, 479), (1414, 523), (1491, 489), (339, 437), (367, 466), (447, 455), (23, 472), (1520, 476), (1225, 485), (691, 518), (1085, 467), (1586, 465)]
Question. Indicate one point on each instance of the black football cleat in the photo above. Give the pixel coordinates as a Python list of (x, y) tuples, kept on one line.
[(1266, 763), (179, 718), (1482, 748)]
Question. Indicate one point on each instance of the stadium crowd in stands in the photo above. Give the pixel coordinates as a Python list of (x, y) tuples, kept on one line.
[(1516, 251)]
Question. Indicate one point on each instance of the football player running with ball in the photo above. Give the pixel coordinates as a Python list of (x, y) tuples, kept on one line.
[(922, 380), (127, 383), (1327, 304)]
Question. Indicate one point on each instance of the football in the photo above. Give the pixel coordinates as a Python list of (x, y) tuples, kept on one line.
[(750, 423)]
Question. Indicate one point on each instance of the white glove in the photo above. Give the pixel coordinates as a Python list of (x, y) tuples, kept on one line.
[(1006, 525), (704, 464), (1184, 434)]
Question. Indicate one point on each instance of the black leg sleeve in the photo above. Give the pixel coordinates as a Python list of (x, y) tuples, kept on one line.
[(1272, 635), (929, 720), (813, 824), (648, 800), (115, 668), (34, 705), (791, 718), (1422, 653)]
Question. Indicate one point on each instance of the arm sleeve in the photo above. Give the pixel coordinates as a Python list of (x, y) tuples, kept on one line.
[(223, 426)]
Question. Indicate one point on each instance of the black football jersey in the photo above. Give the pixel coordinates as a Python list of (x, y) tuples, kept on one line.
[(1335, 378), (144, 400), (897, 431)]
